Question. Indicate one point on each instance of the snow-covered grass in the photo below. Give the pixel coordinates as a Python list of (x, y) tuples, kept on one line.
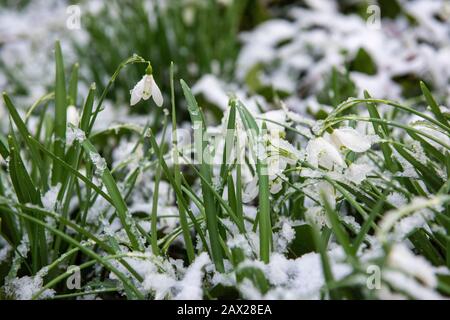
[(300, 174)]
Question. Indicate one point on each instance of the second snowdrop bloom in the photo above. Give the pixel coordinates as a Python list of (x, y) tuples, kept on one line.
[(320, 152), (351, 139), (145, 89)]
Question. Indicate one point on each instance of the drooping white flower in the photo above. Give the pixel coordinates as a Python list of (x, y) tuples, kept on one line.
[(276, 184), (280, 154), (145, 89), (317, 216), (323, 153), (274, 128), (351, 139), (284, 149)]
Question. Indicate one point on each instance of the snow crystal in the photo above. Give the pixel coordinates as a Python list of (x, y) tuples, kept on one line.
[(4, 251), (96, 209), (74, 134), (260, 44), (300, 278), (99, 163), (351, 221), (409, 286), (396, 199), (190, 287), (438, 135), (357, 173), (24, 288), (284, 237), (415, 221), (403, 259), (160, 284), (145, 225), (211, 88), (50, 198), (249, 243), (317, 216)]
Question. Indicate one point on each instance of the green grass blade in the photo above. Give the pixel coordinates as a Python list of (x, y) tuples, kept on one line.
[(381, 129), (60, 114), (433, 105), (366, 226), (263, 217), (86, 251), (87, 109), (25, 136), (154, 213), (197, 118), (73, 85), (118, 201), (177, 173), (340, 233), (265, 225), (77, 174), (321, 247)]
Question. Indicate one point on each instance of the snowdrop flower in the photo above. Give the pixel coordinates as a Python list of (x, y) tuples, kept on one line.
[(146, 88), (280, 154), (321, 152), (351, 139), (277, 184), (274, 129), (317, 216), (285, 150), (277, 155)]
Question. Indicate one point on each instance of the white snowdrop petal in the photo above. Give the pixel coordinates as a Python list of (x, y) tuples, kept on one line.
[(333, 155), (276, 186), (135, 98), (147, 89), (311, 155), (136, 93), (351, 139), (157, 96)]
